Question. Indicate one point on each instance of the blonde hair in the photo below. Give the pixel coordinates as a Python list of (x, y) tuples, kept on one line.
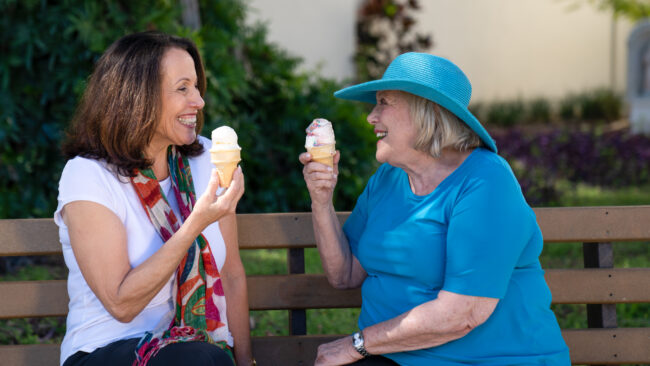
[(438, 128)]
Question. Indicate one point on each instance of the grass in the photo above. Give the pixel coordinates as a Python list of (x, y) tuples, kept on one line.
[(343, 321)]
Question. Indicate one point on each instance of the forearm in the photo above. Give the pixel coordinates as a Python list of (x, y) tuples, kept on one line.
[(238, 318), (334, 249), (142, 283), (233, 278), (428, 325)]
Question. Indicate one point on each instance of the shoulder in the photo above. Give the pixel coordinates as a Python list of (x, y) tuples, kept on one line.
[(80, 166), (201, 166), (489, 185), (203, 159), (206, 142), (85, 179), (385, 172), (487, 167)]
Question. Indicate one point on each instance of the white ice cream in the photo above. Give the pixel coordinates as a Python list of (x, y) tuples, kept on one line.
[(224, 138)]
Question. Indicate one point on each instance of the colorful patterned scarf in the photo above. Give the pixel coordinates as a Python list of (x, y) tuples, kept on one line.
[(200, 300)]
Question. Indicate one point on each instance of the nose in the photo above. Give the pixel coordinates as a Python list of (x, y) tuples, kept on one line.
[(197, 101), (372, 117)]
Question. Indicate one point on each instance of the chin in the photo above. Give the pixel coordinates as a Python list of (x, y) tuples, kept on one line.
[(188, 140)]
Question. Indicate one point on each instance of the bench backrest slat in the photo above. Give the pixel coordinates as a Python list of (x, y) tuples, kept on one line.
[(594, 224), (310, 291), (608, 346), (29, 237), (294, 230)]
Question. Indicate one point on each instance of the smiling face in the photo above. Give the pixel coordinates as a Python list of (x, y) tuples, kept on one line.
[(180, 100), (394, 128)]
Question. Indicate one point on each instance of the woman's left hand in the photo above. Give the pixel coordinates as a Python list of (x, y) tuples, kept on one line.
[(338, 352)]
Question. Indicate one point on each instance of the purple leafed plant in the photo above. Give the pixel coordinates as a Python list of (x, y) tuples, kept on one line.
[(607, 159)]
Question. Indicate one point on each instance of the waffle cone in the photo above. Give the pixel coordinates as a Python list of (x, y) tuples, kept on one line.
[(323, 154), (226, 162)]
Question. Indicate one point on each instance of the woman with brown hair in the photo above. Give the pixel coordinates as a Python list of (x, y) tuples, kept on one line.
[(149, 237)]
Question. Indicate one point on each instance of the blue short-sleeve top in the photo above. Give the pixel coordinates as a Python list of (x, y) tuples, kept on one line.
[(473, 235)]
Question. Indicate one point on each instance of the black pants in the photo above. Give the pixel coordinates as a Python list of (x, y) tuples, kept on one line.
[(374, 361), (123, 353)]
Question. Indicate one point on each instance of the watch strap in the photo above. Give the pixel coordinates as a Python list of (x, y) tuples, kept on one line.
[(359, 344)]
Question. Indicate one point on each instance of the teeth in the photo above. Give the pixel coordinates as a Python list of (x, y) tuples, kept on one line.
[(381, 134), (187, 120)]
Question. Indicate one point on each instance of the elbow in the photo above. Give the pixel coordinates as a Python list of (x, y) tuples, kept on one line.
[(341, 283), (338, 284), (121, 314), (465, 326), (120, 311), (125, 318), (472, 320)]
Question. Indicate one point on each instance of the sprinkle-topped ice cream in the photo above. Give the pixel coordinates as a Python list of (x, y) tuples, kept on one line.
[(319, 133), (320, 141)]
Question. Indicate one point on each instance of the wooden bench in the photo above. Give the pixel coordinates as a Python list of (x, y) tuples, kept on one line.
[(598, 285)]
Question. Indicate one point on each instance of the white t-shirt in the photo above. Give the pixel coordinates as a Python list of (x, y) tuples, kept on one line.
[(89, 325)]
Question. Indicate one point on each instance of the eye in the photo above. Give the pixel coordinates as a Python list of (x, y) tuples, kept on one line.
[(382, 101), (182, 88)]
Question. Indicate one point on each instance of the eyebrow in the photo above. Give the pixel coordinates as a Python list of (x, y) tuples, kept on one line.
[(384, 94), (184, 78)]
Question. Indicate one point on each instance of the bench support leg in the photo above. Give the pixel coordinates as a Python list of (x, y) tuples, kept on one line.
[(297, 318), (599, 255)]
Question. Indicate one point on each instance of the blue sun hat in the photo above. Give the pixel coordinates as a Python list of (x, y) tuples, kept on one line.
[(430, 77)]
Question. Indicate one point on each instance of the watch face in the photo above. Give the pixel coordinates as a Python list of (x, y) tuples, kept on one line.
[(358, 342)]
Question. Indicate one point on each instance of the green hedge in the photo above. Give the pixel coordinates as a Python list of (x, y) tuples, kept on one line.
[(48, 51), (593, 107)]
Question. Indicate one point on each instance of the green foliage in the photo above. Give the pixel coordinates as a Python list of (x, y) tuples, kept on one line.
[(600, 105), (49, 50), (592, 106), (506, 114), (633, 10), (540, 110), (32, 330)]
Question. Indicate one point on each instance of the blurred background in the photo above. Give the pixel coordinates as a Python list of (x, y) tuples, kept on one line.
[(553, 82)]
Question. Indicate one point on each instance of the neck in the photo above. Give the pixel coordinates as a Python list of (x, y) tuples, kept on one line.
[(160, 166), (427, 172)]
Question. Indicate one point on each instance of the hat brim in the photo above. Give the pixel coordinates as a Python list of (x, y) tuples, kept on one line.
[(366, 92)]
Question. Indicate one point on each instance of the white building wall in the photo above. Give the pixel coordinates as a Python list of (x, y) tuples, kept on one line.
[(508, 48), (321, 32)]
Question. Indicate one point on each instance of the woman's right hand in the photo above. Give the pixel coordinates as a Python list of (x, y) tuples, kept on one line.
[(320, 178), (210, 207)]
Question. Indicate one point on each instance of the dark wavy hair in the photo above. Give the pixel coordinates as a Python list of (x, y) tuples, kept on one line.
[(120, 108)]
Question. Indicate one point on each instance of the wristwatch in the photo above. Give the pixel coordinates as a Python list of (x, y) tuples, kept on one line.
[(358, 342)]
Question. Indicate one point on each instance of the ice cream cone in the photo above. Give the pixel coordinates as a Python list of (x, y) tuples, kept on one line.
[(226, 162), (323, 154)]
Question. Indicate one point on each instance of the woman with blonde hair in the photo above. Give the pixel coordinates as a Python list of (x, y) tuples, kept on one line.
[(441, 241)]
